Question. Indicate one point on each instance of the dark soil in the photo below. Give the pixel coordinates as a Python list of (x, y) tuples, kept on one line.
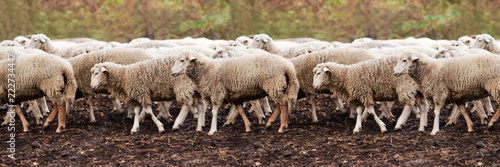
[(330, 142)]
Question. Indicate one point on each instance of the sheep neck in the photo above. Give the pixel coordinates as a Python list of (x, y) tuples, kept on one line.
[(116, 79), (49, 47), (339, 81), (421, 72), (272, 47), (197, 71)]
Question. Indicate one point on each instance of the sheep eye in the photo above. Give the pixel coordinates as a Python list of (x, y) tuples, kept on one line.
[(404, 60), (182, 60)]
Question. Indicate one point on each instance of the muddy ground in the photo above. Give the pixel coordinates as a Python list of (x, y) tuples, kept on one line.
[(330, 142)]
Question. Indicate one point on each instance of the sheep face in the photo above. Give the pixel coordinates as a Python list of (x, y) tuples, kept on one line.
[(244, 40), (22, 40), (320, 76), (220, 54), (442, 53), (38, 41), (402, 66), (99, 77), (181, 64), (466, 40), (9, 43), (482, 41), (260, 41)]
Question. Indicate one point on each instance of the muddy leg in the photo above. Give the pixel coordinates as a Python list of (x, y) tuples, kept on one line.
[(461, 108), (494, 118), (273, 117), (404, 116), (239, 108), (435, 127), (51, 117), (311, 99), (181, 117), (23, 119), (213, 126), (91, 108)]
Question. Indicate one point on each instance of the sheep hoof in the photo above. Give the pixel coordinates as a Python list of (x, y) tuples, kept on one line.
[(397, 128), (133, 131), (175, 128), (383, 130), (161, 130), (490, 126), (210, 133), (45, 126)]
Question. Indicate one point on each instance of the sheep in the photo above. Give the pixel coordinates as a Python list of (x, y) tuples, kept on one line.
[(38, 75), (10, 43), (226, 52), (374, 44), (42, 42), (449, 52), (239, 79), (150, 44), (264, 42), (175, 50), (244, 40), (466, 40), (298, 40), (143, 82), (83, 63), (75, 40), (22, 40), (304, 64), (384, 51), (365, 82), (486, 42), (454, 80)]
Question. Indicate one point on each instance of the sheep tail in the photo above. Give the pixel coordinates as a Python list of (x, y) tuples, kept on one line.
[(293, 85), (70, 85)]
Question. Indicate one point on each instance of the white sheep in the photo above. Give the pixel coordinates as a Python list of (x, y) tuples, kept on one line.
[(456, 80), (22, 40), (39, 75), (365, 82), (10, 43), (83, 63), (467, 40), (239, 79), (264, 42), (42, 42), (142, 83), (486, 42), (245, 40), (305, 64)]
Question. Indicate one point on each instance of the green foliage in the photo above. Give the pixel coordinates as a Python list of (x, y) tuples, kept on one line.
[(339, 20)]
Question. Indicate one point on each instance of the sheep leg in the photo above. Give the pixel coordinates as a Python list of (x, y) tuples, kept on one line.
[(239, 108), (284, 119), (453, 116), (202, 110), (404, 116), (51, 117), (357, 127), (494, 118), (117, 105), (163, 108), (273, 117), (135, 127), (130, 111), (313, 107), (149, 111), (6, 118), (181, 117), (381, 124), (267, 107), (23, 119), (91, 108), (213, 126), (142, 115), (461, 108), (364, 115), (489, 107), (478, 106), (437, 110), (352, 111), (423, 116), (339, 105), (231, 117), (62, 118), (43, 105), (386, 111), (258, 111), (33, 106), (417, 113), (201, 118)]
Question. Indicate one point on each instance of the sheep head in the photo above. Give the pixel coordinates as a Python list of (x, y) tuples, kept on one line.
[(260, 41), (99, 76), (403, 64), (320, 76), (38, 41), (185, 59), (442, 53), (483, 41)]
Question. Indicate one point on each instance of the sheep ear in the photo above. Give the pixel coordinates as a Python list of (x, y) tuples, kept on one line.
[(192, 58), (325, 69), (414, 58), (265, 40), (43, 40), (103, 69), (487, 40)]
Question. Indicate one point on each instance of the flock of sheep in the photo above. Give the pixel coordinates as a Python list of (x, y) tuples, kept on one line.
[(418, 72)]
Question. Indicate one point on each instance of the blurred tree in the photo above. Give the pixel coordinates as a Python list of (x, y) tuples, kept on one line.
[(339, 20)]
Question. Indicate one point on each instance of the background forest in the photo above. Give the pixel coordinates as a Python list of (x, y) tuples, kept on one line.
[(329, 20)]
